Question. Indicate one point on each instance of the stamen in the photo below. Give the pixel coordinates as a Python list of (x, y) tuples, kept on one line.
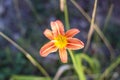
[(60, 41)]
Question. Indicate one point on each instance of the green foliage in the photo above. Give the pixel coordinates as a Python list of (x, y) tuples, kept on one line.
[(13, 63), (24, 77)]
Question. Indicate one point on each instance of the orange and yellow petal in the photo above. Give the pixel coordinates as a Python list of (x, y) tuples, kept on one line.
[(57, 27), (74, 44), (71, 32), (47, 49), (63, 55), (48, 33)]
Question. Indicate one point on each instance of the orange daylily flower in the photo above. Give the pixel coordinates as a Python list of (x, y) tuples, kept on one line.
[(59, 40)]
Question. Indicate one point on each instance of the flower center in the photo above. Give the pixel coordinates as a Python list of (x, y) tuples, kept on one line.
[(60, 41)]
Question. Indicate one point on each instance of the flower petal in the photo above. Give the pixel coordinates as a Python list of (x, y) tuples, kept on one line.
[(63, 55), (57, 27), (47, 49), (74, 44), (48, 33), (72, 32)]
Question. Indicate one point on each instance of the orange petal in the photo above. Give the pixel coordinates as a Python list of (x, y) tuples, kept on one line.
[(74, 44), (47, 49), (48, 33), (63, 55), (57, 27), (72, 32)]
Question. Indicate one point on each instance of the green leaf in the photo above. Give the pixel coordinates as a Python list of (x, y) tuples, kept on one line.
[(24, 77), (94, 64)]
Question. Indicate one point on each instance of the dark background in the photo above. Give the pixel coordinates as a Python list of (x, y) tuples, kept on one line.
[(25, 20)]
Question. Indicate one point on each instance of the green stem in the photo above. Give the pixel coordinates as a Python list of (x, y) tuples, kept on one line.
[(66, 15), (80, 67), (77, 63), (29, 57), (72, 57)]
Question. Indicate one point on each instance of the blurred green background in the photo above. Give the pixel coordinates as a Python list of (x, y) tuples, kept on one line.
[(25, 20)]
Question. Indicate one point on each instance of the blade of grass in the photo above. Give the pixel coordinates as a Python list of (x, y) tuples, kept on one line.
[(93, 64), (77, 63), (23, 77), (80, 68), (105, 41), (110, 68), (91, 26), (29, 57), (108, 17), (96, 28)]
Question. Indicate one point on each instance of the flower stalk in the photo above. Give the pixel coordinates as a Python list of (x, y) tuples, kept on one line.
[(76, 63), (66, 15)]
